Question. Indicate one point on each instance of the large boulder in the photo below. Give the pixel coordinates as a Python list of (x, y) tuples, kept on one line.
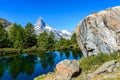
[(100, 32), (67, 69)]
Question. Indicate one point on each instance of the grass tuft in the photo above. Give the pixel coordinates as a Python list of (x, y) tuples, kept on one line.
[(93, 62)]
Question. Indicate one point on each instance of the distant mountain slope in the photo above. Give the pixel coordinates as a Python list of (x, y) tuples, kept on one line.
[(40, 26), (5, 23)]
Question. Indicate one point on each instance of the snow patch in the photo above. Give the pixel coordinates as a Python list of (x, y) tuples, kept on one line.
[(37, 27), (48, 28), (65, 31)]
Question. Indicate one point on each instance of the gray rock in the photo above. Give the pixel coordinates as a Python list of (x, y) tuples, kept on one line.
[(110, 66), (88, 76), (67, 69), (109, 76), (100, 32)]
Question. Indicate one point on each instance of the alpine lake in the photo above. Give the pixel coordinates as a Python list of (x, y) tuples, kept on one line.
[(28, 66)]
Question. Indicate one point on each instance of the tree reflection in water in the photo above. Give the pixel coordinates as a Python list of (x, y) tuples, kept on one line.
[(76, 53), (2, 69), (47, 59), (21, 64), (24, 65)]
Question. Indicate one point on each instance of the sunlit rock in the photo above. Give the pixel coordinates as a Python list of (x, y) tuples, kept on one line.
[(100, 32)]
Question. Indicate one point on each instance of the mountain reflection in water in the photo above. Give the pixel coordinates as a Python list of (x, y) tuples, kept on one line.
[(29, 66)]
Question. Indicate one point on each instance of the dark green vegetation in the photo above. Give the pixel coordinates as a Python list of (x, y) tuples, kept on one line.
[(67, 44), (91, 63), (3, 37), (23, 39)]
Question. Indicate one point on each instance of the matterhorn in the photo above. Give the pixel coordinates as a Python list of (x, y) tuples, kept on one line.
[(40, 26)]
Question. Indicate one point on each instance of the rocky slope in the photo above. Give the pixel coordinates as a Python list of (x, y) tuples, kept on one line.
[(5, 23), (100, 32), (40, 26)]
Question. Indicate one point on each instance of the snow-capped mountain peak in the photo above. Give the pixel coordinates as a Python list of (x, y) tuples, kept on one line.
[(40, 26), (40, 23)]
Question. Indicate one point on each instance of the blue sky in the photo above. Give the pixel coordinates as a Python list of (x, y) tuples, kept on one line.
[(60, 14)]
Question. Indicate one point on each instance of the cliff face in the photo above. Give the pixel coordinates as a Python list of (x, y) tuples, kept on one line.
[(100, 32)]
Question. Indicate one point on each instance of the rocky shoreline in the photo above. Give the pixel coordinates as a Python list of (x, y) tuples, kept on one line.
[(64, 70), (70, 70)]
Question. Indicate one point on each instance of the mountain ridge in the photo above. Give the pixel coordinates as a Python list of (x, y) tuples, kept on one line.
[(6, 24), (40, 26)]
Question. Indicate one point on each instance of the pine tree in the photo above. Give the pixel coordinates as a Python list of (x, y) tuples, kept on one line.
[(43, 40), (73, 39), (3, 36), (30, 37), (51, 40), (16, 36)]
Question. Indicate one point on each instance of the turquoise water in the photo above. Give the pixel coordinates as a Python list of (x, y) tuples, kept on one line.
[(29, 66)]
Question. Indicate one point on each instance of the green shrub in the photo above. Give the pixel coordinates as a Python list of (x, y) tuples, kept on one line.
[(4, 51), (93, 62)]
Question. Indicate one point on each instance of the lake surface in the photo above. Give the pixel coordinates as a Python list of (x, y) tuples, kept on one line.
[(28, 66)]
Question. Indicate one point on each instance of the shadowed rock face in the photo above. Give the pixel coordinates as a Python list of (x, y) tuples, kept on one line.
[(100, 32)]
